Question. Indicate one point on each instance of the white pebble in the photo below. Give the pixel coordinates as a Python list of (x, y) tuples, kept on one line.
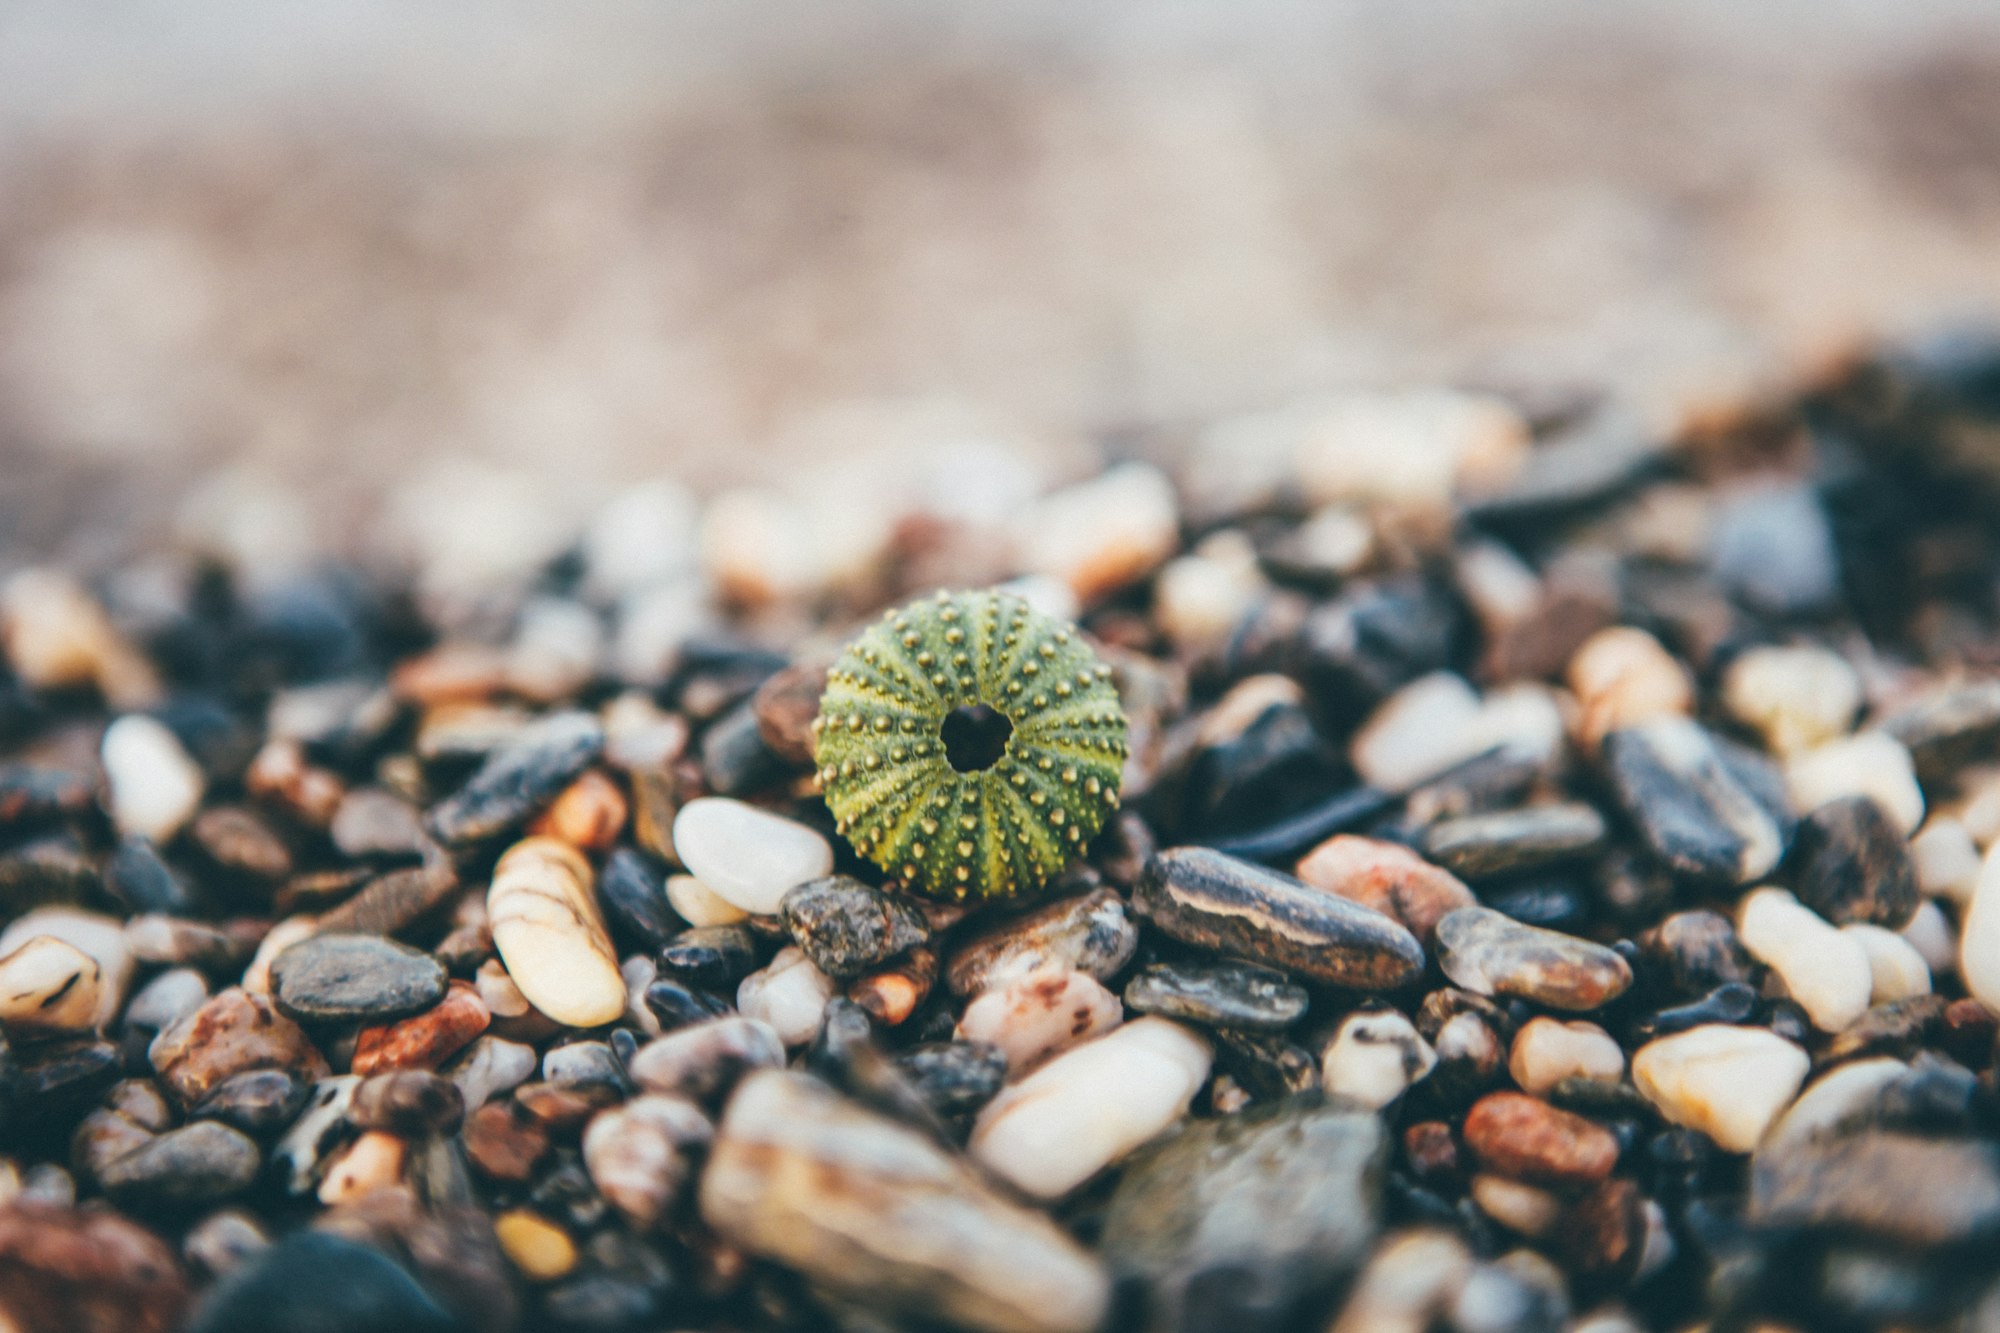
[(98, 937), (1896, 970), (1979, 941), (503, 998), (756, 547), (167, 998), (1872, 763), (1826, 971), (1931, 934), (653, 625), (371, 1162), (154, 786), (699, 905), (557, 650), (1520, 1207), (1437, 721), (490, 1066), (1032, 1017), (1091, 1105), (1198, 599), (1946, 859), (1374, 1058), (790, 994), (549, 933), (1100, 535), (1547, 1051), (1795, 697), (1623, 676), (640, 972), (1728, 1082), (49, 985), (748, 856)]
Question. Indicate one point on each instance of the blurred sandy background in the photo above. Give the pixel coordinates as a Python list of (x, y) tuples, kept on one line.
[(368, 244)]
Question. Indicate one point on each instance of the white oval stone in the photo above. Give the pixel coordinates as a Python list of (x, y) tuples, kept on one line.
[(1979, 942), (1796, 697), (49, 985), (1831, 1099), (1091, 1105), (1547, 1051), (1826, 971), (154, 786), (1730, 1083), (1934, 938), (747, 856), (1374, 1058), (550, 934), (699, 905), (790, 994), (1896, 970), (1872, 763), (1946, 859), (1101, 534), (1032, 1017), (98, 937)]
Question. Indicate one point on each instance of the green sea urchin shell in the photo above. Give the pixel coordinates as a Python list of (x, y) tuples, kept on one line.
[(969, 744)]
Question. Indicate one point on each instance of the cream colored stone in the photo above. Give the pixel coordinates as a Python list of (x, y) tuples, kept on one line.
[(1728, 1082), (550, 934), (49, 985)]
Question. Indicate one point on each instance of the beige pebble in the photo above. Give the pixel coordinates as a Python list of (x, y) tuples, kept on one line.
[(1827, 972), (370, 1162), (1521, 1208), (1796, 697), (1946, 860), (699, 905), (549, 933), (1622, 676), (153, 787), (540, 1250), (1728, 1082), (1870, 763), (1546, 1051), (503, 998), (1896, 970), (49, 985)]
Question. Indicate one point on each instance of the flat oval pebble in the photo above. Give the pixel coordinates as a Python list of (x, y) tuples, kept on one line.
[(1374, 1057), (155, 787), (1826, 971), (48, 984), (1233, 907), (1728, 1082), (1234, 995), (1710, 811), (1037, 1015), (1388, 878), (1849, 863), (1872, 764), (1491, 954), (1525, 1138), (1547, 1050), (749, 857), (1090, 1106), (1091, 933), (354, 979), (549, 932), (1514, 841), (197, 1163)]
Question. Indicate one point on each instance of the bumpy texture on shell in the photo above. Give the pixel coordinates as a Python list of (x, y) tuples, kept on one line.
[(883, 764)]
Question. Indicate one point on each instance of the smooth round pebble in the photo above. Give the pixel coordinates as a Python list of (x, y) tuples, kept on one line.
[(1896, 970), (1546, 1051), (354, 979), (154, 786), (749, 857), (49, 985), (699, 905), (1870, 763), (549, 932), (1374, 1057), (790, 994), (1796, 697)]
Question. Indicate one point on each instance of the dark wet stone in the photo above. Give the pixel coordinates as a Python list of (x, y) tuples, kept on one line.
[(1359, 648), (602, 1301), (392, 902), (1849, 863), (144, 882), (260, 1102), (1898, 1028), (1266, 1064), (634, 899), (44, 872), (1550, 906), (314, 1283), (1691, 953), (31, 797), (1899, 1188), (516, 782), (1948, 728), (1633, 888), (1245, 911), (1489, 954), (198, 1163), (1218, 994), (848, 927), (241, 844), (679, 1004), (371, 821), (410, 1102), (713, 957), (1513, 841), (734, 758), (54, 1083), (1242, 1222), (1731, 1002), (1271, 767), (846, 1056), (1712, 811), (1602, 1234), (1089, 933), (354, 979), (955, 1077)]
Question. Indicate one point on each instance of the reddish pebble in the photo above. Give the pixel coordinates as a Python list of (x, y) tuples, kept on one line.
[(64, 1268), (1968, 1030), (1512, 1134), (1432, 1151), (1389, 878), (893, 994), (426, 1040), (504, 1141), (589, 814)]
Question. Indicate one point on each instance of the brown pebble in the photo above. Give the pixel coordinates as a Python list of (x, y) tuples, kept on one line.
[(240, 842), (234, 1031), (281, 777), (87, 1270), (1389, 878), (392, 902), (893, 994), (655, 802), (451, 673), (504, 1141), (1432, 1150), (1525, 1138), (1603, 1232), (589, 814), (785, 706), (410, 1102), (564, 1106), (1898, 1028), (426, 1040)]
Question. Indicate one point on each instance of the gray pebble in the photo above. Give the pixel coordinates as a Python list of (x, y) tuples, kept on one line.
[(1512, 841), (519, 779), (1711, 811), (1235, 995), (847, 927), (259, 1102), (354, 979), (955, 1077), (198, 1163)]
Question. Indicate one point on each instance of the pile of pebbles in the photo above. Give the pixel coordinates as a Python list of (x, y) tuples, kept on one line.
[(1551, 893)]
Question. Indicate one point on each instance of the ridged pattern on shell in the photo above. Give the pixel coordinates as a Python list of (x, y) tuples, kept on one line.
[(882, 760)]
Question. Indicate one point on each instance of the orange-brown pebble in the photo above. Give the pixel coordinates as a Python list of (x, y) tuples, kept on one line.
[(451, 673), (504, 1141), (426, 1040), (1622, 676), (1525, 1138), (1387, 877), (589, 814), (1432, 1151), (893, 994), (280, 776)]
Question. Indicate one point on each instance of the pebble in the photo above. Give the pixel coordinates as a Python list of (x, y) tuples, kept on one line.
[(549, 932), (291, 930), (372, 821), (1546, 1051), (1795, 697), (1826, 971), (1525, 1138), (790, 994), (153, 786), (354, 979), (1934, 938), (1896, 970), (1233, 995), (1869, 763), (221, 1242), (1217, 902), (1772, 547), (1849, 863), (407, 1102), (300, 1152), (703, 1061), (503, 999), (1947, 727), (635, 904), (519, 779), (847, 927), (785, 706), (1241, 1220), (1728, 1082), (1090, 1106), (1710, 811), (1407, 1284), (310, 1282), (1374, 1057), (1091, 933), (49, 985), (858, 1205), (641, 1155), (747, 856), (425, 1040), (718, 957), (1412, 448), (698, 905), (260, 1102), (540, 1250), (1945, 860), (1388, 878), (1621, 677), (174, 941), (58, 637), (373, 1161), (1490, 954), (166, 999), (393, 902), (1901, 1189), (504, 1141), (1514, 841), (675, 1003), (241, 845), (954, 1078), (86, 1270), (1695, 952), (893, 993), (1102, 534), (198, 1163), (1979, 940), (1437, 722), (1527, 1210), (489, 1067), (1199, 598), (143, 881), (1032, 1017), (232, 1032), (99, 937)]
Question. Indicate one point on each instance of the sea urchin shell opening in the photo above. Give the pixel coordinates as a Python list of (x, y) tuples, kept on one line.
[(975, 737)]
